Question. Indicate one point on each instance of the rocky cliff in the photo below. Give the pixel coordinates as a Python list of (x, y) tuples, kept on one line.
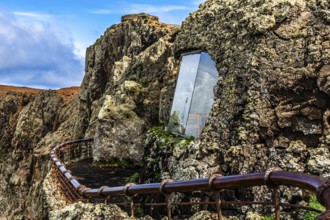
[(272, 100), (32, 121), (127, 71)]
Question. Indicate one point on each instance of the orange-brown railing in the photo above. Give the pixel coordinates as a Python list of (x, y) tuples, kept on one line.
[(272, 178)]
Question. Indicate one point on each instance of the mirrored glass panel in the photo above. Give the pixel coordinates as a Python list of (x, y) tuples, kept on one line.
[(194, 94), (183, 93)]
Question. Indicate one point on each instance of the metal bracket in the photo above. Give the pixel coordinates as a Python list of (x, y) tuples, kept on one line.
[(268, 174)]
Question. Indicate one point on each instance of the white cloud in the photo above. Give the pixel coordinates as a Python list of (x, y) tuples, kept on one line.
[(171, 14), (79, 51), (33, 15), (131, 8), (37, 52), (137, 8), (198, 2), (101, 11)]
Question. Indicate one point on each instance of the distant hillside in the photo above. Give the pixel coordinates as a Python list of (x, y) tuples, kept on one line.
[(64, 92), (4, 89)]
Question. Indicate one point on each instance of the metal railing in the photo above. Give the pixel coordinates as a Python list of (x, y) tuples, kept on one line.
[(73, 191)]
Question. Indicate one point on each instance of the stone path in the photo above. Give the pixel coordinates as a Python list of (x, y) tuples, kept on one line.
[(96, 177)]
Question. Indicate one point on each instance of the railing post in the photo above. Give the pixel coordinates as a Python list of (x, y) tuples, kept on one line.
[(217, 194), (169, 205), (66, 197), (275, 192), (100, 192), (132, 206), (218, 199), (54, 177), (168, 196), (58, 187), (276, 200), (205, 199), (126, 192), (106, 200)]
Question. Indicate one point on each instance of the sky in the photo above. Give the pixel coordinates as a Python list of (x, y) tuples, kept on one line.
[(43, 43)]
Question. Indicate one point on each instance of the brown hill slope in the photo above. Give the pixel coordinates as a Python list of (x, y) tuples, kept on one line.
[(4, 89), (64, 92)]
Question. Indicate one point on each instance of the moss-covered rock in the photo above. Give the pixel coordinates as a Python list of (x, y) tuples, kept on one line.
[(271, 100), (126, 70)]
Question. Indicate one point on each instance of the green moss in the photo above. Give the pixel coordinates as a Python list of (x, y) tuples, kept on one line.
[(161, 144), (144, 82), (313, 203), (309, 215), (134, 178), (157, 175), (160, 132), (139, 211), (186, 142), (167, 138)]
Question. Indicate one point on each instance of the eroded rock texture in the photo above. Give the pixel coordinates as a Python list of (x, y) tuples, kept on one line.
[(126, 70), (272, 97), (55, 208), (31, 125), (272, 101)]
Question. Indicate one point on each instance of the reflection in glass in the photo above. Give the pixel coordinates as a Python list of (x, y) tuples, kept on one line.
[(194, 94)]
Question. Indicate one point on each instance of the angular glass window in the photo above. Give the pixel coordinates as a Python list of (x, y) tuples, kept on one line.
[(194, 94)]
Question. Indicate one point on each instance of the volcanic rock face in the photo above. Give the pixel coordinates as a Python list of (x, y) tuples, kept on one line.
[(127, 73), (55, 208), (126, 70), (31, 125), (272, 98)]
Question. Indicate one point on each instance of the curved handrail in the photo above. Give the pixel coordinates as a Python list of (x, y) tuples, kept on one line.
[(272, 178)]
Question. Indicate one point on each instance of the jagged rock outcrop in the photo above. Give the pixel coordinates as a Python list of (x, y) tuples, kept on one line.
[(271, 101), (126, 70), (55, 207), (32, 123), (271, 108)]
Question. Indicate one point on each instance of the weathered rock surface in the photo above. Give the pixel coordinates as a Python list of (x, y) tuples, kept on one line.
[(272, 102), (56, 208), (271, 99), (32, 123), (127, 70), (205, 215), (89, 211)]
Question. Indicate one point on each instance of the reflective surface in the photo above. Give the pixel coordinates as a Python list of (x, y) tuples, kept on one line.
[(194, 94)]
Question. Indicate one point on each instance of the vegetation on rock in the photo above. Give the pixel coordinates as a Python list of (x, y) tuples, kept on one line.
[(271, 106)]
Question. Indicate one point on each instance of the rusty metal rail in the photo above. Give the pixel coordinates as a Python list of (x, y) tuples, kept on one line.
[(73, 191)]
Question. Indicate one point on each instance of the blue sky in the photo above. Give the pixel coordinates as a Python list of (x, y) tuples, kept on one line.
[(43, 43)]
